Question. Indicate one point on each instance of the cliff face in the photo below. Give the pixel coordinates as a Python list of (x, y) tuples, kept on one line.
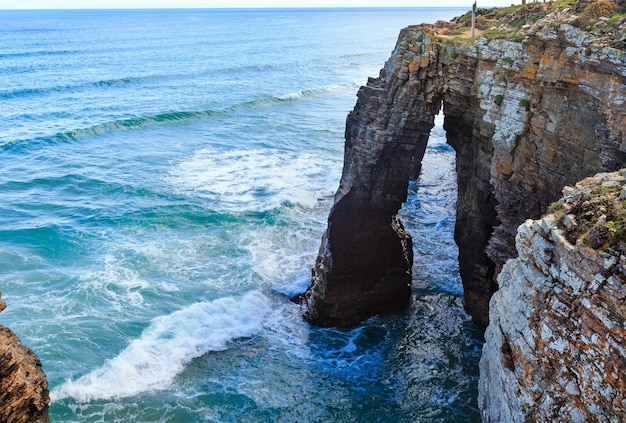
[(555, 346), (525, 116), (23, 385), (364, 265)]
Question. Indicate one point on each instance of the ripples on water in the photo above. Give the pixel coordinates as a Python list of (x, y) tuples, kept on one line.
[(166, 178)]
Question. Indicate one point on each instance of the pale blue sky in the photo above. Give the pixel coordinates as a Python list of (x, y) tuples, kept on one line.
[(148, 4)]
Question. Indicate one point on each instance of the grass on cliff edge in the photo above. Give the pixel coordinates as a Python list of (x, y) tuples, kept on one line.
[(605, 19), (597, 219)]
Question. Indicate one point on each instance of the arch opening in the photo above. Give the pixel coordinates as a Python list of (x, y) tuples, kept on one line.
[(429, 215)]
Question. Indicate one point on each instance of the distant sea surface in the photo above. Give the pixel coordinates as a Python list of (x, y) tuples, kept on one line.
[(165, 179)]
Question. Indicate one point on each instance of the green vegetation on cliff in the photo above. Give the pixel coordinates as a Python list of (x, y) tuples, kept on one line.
[(597, 217), (605, 19)]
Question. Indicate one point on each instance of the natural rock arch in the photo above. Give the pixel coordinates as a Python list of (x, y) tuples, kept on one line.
[(525, 118)]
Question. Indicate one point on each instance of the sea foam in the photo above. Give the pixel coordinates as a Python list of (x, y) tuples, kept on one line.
[(152, 361), (255, 179)]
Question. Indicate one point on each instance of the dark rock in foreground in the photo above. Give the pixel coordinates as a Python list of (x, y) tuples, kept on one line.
[(23, 385)]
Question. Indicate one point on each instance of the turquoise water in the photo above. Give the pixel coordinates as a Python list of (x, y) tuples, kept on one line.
[(166, 178)]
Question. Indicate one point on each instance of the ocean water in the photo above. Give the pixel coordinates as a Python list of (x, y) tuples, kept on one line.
[(165, 180)]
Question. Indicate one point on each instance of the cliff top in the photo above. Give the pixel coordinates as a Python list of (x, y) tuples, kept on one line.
[(605, 20), (594, 212)]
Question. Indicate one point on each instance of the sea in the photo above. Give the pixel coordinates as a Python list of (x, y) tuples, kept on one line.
[(165, 180)]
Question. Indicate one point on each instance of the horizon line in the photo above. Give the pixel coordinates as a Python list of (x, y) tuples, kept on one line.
[(234, 8)]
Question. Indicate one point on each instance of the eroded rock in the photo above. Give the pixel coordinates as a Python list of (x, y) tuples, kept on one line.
[(526, 117), (555, 346), (24, 396)]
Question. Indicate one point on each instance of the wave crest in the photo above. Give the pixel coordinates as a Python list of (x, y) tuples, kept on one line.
[(174, 117), (152, 361)]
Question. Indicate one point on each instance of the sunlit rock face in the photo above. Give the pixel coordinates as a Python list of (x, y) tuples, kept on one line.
[(23, 385), (555, 346), (526, 117)]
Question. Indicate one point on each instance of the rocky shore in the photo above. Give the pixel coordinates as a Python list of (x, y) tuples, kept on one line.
[(24, 394), (529, 108), (534, 102)]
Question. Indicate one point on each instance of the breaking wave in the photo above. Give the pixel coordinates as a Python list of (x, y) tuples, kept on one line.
[(152, 361)]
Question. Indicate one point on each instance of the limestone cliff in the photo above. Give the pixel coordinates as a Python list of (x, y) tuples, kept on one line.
[(530, 106), (556, 343), (23, 385)]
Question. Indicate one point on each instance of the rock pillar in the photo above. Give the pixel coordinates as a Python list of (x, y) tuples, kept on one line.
[(364, 263)]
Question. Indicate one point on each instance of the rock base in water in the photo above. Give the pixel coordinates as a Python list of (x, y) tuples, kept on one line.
[(24, 394)]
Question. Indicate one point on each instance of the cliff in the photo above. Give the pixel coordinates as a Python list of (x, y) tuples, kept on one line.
[(23, 384), (532, 105), (555, 346)]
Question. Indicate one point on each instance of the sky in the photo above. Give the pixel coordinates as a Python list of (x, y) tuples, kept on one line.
[(150, 4)]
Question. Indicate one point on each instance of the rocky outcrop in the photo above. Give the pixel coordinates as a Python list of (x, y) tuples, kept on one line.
[(556, 343), (23, 385), (364, 265), (526, 115)]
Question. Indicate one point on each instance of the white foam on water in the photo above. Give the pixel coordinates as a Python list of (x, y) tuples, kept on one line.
[(279, 380), (286, 330), (297, 95), (152, 361), (293, 288), (256, 179), (282, 258), (282, 252), (120, 284), (161, 251)]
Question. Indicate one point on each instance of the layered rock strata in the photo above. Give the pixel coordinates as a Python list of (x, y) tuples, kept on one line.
[(24, 394), (556, 343), (364, 265), (526, 117)]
